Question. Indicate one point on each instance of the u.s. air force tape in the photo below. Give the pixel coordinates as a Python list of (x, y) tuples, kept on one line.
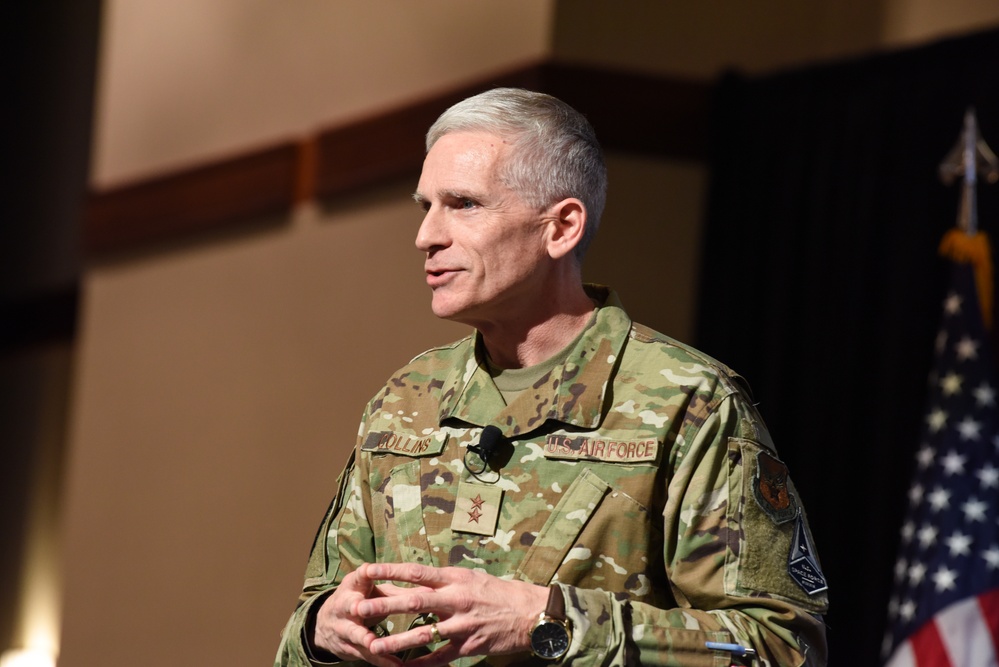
[(600, 449)]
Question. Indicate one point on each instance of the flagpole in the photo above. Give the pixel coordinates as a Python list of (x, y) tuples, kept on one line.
[(964, 243)]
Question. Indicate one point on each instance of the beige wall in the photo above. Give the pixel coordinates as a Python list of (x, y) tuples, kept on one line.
[(218, 384), (186, 80)]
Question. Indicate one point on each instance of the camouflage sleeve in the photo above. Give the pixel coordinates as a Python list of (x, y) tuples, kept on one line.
[(728, 557), (343, 542)]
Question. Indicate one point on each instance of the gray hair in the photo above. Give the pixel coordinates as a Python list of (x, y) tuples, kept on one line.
[(555, 150)]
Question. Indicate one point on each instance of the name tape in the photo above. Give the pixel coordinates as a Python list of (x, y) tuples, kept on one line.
[(400, 443), (597, 449)]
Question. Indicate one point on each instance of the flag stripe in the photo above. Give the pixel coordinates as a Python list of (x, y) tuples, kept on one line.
[(902, 657), (965, 634), (928, 648), (989, 603)]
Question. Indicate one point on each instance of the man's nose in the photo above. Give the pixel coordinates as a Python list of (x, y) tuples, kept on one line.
[(432, 234)]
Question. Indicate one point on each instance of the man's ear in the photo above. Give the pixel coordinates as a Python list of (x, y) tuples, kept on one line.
[(567, 224)]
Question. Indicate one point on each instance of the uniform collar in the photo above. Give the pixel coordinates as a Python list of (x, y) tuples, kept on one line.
[(573, 393)]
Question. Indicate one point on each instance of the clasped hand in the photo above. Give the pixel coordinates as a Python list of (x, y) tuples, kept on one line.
[(479, 614)]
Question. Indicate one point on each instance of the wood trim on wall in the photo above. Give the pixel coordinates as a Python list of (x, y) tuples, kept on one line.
[(634, 113), (206, 198), (390, 145)]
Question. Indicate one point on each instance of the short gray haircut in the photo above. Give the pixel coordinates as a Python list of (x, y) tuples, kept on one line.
[(556, 153)]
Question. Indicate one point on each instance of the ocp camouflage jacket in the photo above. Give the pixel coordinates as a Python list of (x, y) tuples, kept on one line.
[(637, 476)]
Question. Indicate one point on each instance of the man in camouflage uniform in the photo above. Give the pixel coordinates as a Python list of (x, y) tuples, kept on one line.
[(633, 481)]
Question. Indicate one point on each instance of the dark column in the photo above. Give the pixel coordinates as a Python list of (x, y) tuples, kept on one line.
[(47, 71)]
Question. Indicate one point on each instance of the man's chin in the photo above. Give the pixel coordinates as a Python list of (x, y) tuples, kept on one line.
[(447, 309), (443, 309)]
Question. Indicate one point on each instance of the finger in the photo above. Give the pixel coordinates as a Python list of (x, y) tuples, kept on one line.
[(377, 612), (411, 573), (358, 635), (404, 601), (353, 644), (417, 637), (362, 577), (337, 628), (355, 586), (389, 590)]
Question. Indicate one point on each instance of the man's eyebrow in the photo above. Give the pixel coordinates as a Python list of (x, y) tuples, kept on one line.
[(420, 198)]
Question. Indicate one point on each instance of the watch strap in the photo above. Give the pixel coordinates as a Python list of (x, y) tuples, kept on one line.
[(556, 603), (552, 620)]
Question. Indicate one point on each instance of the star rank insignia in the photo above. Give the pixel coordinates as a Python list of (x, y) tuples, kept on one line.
[(476, 509), (476, 513)]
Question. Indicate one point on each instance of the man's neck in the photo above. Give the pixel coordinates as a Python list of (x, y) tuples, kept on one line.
[(523, 344)]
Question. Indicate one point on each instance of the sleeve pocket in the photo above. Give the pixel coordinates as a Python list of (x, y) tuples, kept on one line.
[(763, 503)]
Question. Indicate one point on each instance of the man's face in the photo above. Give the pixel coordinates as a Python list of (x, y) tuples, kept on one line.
[(486, 251)]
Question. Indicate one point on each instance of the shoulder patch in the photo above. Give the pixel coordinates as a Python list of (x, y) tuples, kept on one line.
[(802, 564), (771, 489)]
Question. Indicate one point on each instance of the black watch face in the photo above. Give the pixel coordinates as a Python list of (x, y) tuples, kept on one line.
[(550, 640)]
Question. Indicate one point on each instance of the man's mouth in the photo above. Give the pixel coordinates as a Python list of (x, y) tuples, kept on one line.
[(439, 276)]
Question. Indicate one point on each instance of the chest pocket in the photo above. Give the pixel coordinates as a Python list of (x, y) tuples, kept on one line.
[(597, 537), (562, 529), (398, 511)]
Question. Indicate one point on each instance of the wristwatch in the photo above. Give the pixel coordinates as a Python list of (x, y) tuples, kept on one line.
[(550, 636)]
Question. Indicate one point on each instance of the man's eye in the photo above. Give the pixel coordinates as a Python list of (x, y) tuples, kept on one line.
[(467, 203)]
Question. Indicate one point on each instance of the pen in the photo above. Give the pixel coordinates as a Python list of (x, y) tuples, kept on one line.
[(731, 648)]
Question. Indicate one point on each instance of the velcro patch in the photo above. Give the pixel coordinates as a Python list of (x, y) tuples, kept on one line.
[(599, 449), (771, 489), (404, 444), (476, 509)]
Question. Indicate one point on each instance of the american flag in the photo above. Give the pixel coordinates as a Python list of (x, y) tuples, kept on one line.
[(944, 611)]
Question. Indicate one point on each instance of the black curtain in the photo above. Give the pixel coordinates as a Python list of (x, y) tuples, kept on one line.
[(822, 286)]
